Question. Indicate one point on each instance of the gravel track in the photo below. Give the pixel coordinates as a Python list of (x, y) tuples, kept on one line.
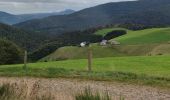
[(66, 89)]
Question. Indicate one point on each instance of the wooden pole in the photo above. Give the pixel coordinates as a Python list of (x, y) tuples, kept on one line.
[(25, 59), (90, 55)]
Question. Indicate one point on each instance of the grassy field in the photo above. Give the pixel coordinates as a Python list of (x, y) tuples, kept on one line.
[(109, 51), (147, 36), (154, 70), (69, 52)]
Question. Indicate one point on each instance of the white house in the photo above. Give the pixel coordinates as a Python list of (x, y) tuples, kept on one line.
[(83, 44), (103, 42)]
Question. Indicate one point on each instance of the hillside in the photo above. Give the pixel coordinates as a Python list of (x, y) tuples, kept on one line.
[(13, 19), (140, 13), (135, 43), (25, 39), (148, 36), (68, 52)]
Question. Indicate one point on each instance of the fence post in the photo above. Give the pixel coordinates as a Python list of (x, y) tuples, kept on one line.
[(25, 59), (90, 55)]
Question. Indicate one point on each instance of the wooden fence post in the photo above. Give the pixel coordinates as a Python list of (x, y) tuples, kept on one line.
[(90, 56), (25, 59)]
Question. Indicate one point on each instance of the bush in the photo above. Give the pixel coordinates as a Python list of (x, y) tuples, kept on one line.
[(114, 34)]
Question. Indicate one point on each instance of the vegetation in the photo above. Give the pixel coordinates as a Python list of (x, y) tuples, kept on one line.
[(89, 95), (40, 44), (66, 39), (25, 39), (147, 36), (16, 91), (107, 29), (68, 52), (43, 45), (20, 91), (114, 34), (148, 42), (151, 70), (9, 53)]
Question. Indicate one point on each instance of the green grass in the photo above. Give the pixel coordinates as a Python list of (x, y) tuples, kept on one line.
[(153, 35), (88, 94), (147, 36), (69, 53), (141, 70), (109, 51)]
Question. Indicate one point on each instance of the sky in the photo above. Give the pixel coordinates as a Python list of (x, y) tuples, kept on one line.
[(42, 6)]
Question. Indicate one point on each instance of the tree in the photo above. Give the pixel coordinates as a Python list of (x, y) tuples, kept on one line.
[(10, 53), (114, 34)]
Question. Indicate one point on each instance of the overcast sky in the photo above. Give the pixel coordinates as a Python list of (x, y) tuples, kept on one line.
[(40, 6)]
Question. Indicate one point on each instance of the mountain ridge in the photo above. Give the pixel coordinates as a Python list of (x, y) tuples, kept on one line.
[(10, 19), (134, 12)]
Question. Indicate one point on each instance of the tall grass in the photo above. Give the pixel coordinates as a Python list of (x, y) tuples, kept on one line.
[(87, 94), (20, 92), (6, 92)]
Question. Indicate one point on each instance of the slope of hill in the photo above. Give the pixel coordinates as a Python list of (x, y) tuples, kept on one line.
[(148, 13), (68, 52), (25, 39), (13, 19), (148, 36), (135, 43)]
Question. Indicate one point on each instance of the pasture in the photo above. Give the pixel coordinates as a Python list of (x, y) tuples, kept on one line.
[(152, 70)]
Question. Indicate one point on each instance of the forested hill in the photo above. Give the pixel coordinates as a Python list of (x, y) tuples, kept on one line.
[(143, 12), (28, 40)]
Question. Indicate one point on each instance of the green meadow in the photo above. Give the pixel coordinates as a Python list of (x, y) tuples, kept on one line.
[(152, 70)]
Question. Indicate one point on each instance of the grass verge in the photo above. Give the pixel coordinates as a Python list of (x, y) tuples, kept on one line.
[(140, 79)]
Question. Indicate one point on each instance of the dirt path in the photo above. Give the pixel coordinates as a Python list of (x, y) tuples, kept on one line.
[(65, 89)]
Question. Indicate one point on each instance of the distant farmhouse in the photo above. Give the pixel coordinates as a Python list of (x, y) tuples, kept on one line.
[(84, 44)]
